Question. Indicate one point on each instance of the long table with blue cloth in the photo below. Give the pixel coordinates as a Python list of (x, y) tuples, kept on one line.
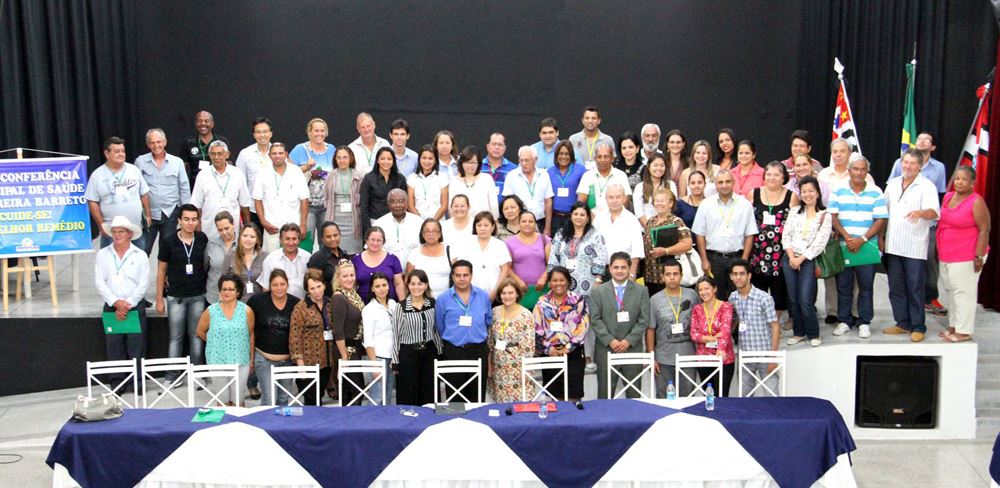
[(747, 442)]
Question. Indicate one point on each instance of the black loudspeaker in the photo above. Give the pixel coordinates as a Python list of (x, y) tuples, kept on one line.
[(898, 392)]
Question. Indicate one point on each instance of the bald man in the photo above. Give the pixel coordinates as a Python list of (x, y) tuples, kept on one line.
[(195, 150), (402, 229), (367, 143)]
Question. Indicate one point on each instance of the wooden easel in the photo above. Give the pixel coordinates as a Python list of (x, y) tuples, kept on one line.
[(25, 269)]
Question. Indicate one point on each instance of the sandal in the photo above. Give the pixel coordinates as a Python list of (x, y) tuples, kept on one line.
[(957, 338), (255, 393)]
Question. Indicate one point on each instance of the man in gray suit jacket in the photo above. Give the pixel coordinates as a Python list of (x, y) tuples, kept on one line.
[(619, 315)]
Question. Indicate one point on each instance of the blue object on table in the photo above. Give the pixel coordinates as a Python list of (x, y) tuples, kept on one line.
[(761, 426), (612, 424), (122, 451), (364, 440)]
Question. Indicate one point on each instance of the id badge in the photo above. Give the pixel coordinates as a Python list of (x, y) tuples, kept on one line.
[(556, 326), (769, 219), (345, 207), (743, 326), (712, 345), (623, 316), (202, 164), (727, 231), (189, 268), (327, 335), (676, 328), (562, 192), (465, 321), (501, 346), (249, 290), (571, 264), (121, 190)]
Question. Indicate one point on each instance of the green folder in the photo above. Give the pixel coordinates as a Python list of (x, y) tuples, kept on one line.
[(128, 326), (207, 415), (868, 253)]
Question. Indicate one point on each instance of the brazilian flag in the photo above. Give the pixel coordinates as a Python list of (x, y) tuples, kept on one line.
[(909, 135)]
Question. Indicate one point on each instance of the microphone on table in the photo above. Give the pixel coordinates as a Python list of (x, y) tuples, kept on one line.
[(579, 405), (509, 412)]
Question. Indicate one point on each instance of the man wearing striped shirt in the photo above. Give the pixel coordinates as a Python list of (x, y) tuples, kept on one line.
[(859, 215), (913, 207)]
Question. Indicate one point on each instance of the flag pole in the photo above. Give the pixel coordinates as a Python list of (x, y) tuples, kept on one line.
[(839, 68)]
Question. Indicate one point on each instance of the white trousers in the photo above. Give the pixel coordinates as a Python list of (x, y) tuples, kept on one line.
[(961, 290)]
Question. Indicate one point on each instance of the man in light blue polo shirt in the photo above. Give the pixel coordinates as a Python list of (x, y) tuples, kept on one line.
[(168, 186), (548, 135), (933, 170), (462, 317), (859, 214)]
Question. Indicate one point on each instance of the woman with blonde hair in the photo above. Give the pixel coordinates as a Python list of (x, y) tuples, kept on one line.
[(701, 160)]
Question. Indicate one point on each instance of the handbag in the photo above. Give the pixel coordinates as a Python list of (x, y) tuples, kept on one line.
[(87, 409), (831, 261), (690, 267)]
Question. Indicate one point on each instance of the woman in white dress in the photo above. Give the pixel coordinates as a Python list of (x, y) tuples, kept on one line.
[(489, 256), (427, 188), (458, 228), (432, 257), (476, 185)]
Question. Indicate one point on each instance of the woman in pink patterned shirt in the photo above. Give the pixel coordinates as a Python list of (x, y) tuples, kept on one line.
[(712, 324)]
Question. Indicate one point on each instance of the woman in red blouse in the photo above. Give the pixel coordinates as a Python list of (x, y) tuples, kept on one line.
[(712, 324)]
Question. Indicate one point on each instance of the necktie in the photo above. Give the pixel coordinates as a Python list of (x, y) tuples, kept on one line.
[(620, 292)]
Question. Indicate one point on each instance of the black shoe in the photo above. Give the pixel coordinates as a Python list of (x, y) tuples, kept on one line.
[(831, 319), (254, 394)]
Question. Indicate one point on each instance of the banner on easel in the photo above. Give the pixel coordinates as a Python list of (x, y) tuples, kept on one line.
[(42, 208)]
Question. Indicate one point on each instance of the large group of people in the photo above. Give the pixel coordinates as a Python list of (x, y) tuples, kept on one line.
[(586, 246)]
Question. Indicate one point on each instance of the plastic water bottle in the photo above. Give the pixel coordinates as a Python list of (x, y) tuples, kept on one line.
[(543, 410), (288, 411), (709, 398), (671, 391)]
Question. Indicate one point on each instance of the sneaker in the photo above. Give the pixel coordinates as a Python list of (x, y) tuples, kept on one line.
[(935, 308), (591, 368), (815, 342), (831, 319), (894, 330), (795, 340), (841, 329), (916, 337), (864, 331)]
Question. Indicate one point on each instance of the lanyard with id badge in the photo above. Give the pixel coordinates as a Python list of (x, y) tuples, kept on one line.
[(327, 332), (622, 313), (465, 320), (727, 217), (711, 322), (676, 327), (117, 278), (188, 268)]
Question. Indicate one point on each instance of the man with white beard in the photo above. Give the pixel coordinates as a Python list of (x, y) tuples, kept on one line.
[(650, 141)]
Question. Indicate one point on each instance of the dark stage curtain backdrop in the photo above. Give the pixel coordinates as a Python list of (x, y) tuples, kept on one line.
[(874, 40), (67, 72)]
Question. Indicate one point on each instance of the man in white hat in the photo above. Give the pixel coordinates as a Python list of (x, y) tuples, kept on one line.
[(122, 275)]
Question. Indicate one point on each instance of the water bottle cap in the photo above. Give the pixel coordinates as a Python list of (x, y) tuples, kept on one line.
[(670, 382), (709, 384)]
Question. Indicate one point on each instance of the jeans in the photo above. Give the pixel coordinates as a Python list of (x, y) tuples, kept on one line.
[(667, 373), (865, 276), (166, 225), (749, 382), (182, 318), (802, 297), (906, 291), (262, 366), (314, 219), (720, 270), (931, 284), (390, 383)]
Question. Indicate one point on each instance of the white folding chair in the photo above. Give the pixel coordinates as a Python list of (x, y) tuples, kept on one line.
[(529, 366), (748, 358), (698, 361), (310, 373), (104, 368), (229, 372), (616, 361), (442, 368), (346, 367), (164, 389)]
